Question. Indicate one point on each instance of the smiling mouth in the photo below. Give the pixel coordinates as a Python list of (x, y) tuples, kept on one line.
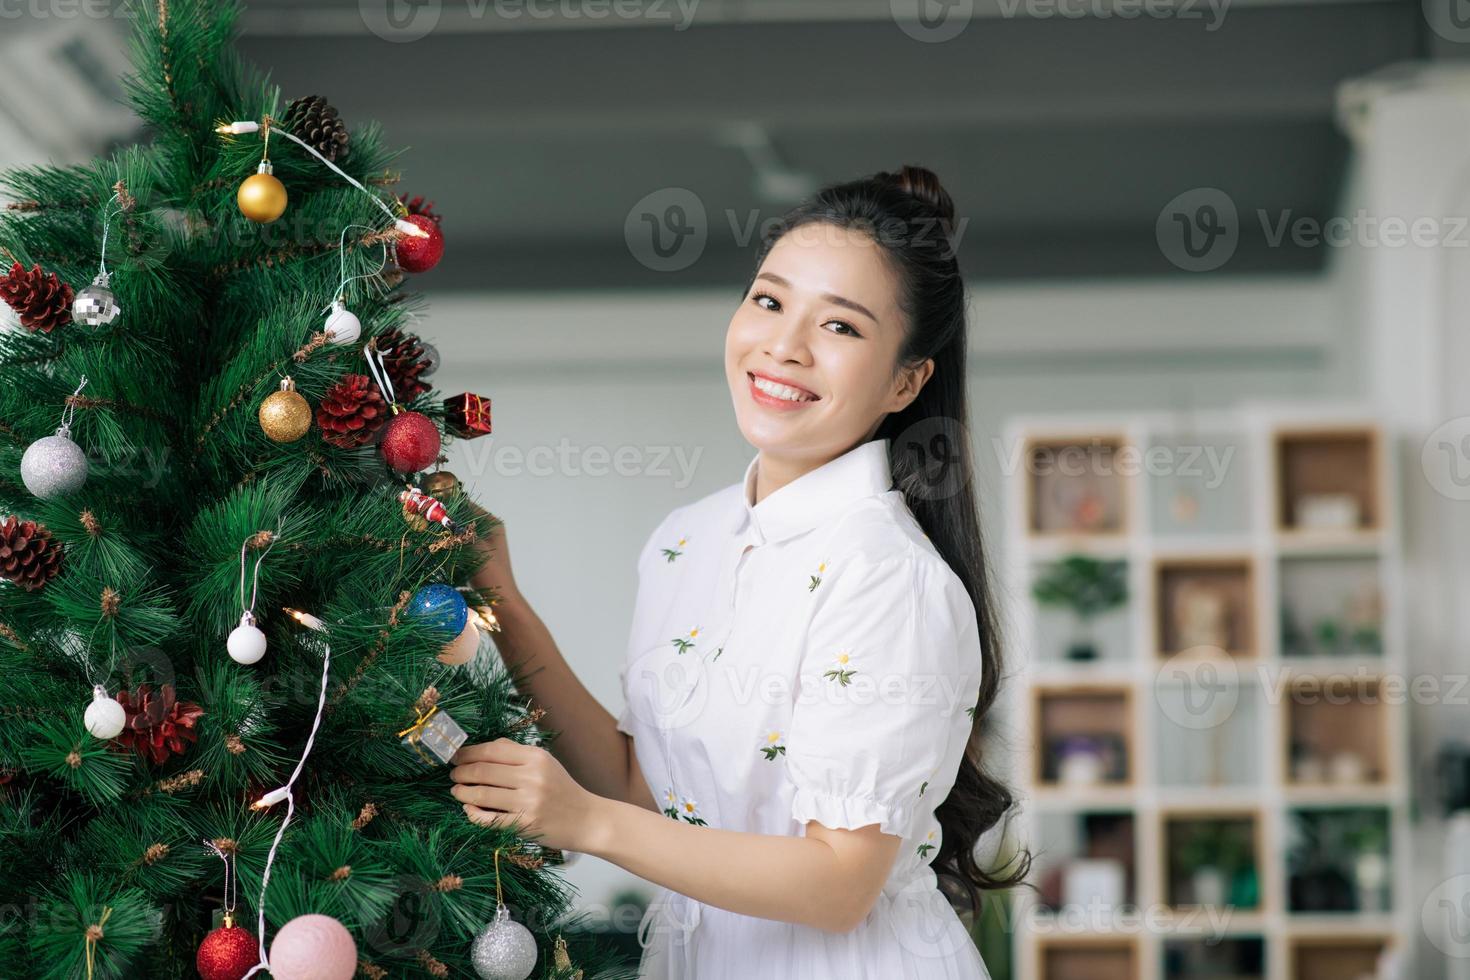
[(778, 391)]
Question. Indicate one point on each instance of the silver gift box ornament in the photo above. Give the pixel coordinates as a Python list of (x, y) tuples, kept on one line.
[(435, 738)]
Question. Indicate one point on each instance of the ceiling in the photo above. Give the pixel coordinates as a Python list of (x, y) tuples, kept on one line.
[(541, 129)]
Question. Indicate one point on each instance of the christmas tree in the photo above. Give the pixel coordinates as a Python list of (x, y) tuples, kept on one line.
[(234, 639)]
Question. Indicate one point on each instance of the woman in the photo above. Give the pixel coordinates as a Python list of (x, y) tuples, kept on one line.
[(812, 649)]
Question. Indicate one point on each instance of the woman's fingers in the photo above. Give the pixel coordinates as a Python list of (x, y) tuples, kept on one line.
[(487, 797), (485, 774), (491, 818)]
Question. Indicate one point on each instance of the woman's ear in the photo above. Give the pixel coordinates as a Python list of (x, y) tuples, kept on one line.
[(909, 383)]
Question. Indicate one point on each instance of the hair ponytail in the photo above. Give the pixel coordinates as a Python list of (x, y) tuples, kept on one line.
[(911, 215)]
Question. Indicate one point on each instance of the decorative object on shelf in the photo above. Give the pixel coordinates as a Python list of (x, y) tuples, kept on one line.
[(1075, 488), (54, 466), (504, 949), (1087, 588), (247, 644), (1216, 857), (41, 301), (29, 556), (1081, 760), (1327, 512), (1094, 883), (434, 737), (1201, 614), (467, 415), (1348, 768)]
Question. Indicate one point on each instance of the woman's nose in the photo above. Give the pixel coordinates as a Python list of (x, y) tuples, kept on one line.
[(788, 340)]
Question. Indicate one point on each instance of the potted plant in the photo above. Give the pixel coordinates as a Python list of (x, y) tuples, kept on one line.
[(1087, 587)]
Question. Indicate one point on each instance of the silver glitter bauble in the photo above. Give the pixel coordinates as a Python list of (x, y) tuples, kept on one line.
[(506, 950), (430, 358), (54, 466), (95, 306)]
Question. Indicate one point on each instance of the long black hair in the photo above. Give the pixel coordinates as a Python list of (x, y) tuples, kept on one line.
[(912, 217)]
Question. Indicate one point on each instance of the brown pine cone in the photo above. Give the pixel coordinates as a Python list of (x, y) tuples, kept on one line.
[(403, 357), (417, 205), (310, 118), (158, 724), (29, 556), (41, 300), (351, 412)]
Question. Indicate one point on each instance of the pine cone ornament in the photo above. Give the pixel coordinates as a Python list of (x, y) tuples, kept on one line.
[(351, 412), (403, 357), (40, 300), (29, 556), (310, 118), (417, 205), (159, 725)]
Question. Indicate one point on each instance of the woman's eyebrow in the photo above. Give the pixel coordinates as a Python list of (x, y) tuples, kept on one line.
[(829, 297)]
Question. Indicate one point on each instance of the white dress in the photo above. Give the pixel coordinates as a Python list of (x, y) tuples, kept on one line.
[(811, 657)]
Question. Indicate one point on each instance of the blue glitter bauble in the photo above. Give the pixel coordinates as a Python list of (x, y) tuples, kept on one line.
[(442, 607)]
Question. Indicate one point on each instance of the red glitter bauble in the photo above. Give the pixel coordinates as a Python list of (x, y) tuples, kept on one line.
[(227, 953), (421, 254), (410, 442)]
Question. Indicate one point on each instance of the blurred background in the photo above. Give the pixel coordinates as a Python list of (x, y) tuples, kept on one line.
[(1220, 291)]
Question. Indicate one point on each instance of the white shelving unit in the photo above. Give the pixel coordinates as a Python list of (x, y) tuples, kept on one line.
[(1183, 763)]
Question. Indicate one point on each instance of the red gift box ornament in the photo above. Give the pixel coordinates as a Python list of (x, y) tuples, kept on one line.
[(467, 416)]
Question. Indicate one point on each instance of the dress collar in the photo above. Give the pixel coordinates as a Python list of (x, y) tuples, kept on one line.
[(806, 501)]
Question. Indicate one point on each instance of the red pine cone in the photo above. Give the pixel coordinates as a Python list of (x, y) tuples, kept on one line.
[(403, 357), (158, 724), (29, 556), (417, 205), (41, 300), (351, 412)]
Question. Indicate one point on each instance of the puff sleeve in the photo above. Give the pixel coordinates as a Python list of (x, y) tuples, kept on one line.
[(891, 663)]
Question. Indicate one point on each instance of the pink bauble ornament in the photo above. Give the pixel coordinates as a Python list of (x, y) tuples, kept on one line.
[(313, 947), (462, 649), (421, 254), (410, 442)]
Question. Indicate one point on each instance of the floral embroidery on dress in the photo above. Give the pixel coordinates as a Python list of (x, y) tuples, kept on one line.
[(817, 578), (923, 786), (771, 746), (928, 845), (718, 651), (671, 553), (671, 804), (689, 810), (685, 643), (840, 671), (971, 711)]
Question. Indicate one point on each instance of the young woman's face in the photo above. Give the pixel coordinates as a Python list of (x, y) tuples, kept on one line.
[(811, 353)]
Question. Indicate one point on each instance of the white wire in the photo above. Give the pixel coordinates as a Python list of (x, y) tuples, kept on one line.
[(342, 264), (340, 172), (255, 580)]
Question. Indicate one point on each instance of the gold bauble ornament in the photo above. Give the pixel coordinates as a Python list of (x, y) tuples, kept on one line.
[(285, 415), (441, 484), (262, 198)]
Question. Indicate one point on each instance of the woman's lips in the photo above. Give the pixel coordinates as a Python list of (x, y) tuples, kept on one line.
[(775, 401)]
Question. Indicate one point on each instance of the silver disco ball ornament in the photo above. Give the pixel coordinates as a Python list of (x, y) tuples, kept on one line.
[(54, 466), (430, 358), (96, 306), (506, 950)]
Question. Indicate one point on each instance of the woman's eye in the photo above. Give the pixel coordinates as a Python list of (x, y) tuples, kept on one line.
[(764, 296), (844, 328)]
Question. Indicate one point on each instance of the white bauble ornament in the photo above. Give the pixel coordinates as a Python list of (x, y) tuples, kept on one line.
[(105, 718), (343, 326), (54, 466), (247, 642), (95, 306), (506, 950)]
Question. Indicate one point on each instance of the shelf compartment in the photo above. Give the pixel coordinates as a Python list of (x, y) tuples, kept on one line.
[(1331, 606), (1212, 858), (1339, 861), (1327, 480), (1201, 485), (1204, 603), (1088, 958), (1236, 958), (1074, 487), (1335, 957), (1208, 740), (1083, 735), (1335, 732), (1087, 859)]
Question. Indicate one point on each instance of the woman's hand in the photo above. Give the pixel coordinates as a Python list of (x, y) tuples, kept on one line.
[(496, 572), (504, 782)]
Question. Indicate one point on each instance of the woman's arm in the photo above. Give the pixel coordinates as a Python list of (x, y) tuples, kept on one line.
[(828, 879), (588, 741)]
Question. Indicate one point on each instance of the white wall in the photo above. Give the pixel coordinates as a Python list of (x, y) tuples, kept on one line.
[(644, 370)]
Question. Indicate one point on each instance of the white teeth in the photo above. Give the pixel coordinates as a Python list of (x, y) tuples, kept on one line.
[(784, 392)]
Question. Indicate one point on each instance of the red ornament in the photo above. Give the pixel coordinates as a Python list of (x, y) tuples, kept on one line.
[(467, 415), (420, 254), (410, 442), (227, 953), (158, 725), (415, 501)]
